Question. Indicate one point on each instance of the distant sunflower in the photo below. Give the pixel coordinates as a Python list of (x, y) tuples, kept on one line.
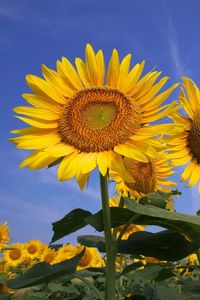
[(83, 122), (33, 248), (15, 255), (4, 235), (91, 258), (147, 177), (49, 256), (65, 252), (185, 145)]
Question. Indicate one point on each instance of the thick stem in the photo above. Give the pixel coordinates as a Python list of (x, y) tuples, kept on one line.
[(110, 257)]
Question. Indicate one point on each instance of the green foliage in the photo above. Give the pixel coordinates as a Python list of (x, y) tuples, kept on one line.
[(43, 272), (70, 223)]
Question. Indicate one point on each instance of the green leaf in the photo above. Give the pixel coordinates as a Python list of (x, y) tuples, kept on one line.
[(72, 222), (91, 240), (4, 296), (131, 268), (43, 273), (164, 245), (150, 215), (158, 199)]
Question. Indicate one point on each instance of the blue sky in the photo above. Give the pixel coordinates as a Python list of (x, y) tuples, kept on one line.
[(164, 33)]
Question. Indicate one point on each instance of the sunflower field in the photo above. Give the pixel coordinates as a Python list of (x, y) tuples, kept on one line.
[(87, 116)]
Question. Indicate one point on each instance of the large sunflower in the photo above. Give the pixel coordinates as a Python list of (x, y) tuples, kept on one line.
[(81, 121), (147, 177), (185, 145), (15, 255)]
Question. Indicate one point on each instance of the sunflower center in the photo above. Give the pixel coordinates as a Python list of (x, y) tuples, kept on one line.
[(15, 254), (85, 259), (98, 119), (32, 249), (143, 174), (194, 137), (99, 115)]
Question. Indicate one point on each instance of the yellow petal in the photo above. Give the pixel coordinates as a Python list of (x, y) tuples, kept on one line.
[(36, 113), (89, 162), (39, 123), (43, 88), (129, 151), (124, 68), (70, 73), (64, 164), (113, 69), (101, 67), (133, 77), (45, 103), (195, 176), (153, 91), (59, 150), (102, 162), (91, 65), (187, 172), (82, 71), (56, 81), (37, 160), (36, 141), (82, 180)]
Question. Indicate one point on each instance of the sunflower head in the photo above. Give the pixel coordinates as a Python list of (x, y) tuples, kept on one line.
[(49, 256), (34, 248), (146, 177), (185, 144), (15, 255), (90, 258), (4, 235), (87, 117)]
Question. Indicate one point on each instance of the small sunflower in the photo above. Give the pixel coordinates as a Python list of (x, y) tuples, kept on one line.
[(49, 256), (90, 259), (147, 177), (15, 255), (4, 235), (82, 121), (185, 145), (33, 248), (131, 228), (66, 252)]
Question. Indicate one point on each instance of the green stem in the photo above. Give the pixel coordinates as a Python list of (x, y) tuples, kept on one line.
[(91, 286), (110, 266), (198, 255)]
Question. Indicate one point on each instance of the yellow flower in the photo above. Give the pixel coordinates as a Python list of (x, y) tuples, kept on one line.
[(33, 248), (192, 259), (91, 258), (15, 255), (82, 121), (131, 228), (4, 235), (185, 145), (49, 256), (147, 177), (65, 252)]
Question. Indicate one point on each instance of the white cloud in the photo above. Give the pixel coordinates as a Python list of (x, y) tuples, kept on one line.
[(50, 177), (179, 66)]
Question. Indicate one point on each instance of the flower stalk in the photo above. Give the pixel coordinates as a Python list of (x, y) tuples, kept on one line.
[(110, 266)]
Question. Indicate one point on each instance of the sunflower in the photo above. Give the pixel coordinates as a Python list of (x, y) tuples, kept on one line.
[(185, 145), (131, 228), (147, 177), (82, 121), (90, 259), (48, 255), (65, 252), (4, 235), (15, 255), (33, 248)]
